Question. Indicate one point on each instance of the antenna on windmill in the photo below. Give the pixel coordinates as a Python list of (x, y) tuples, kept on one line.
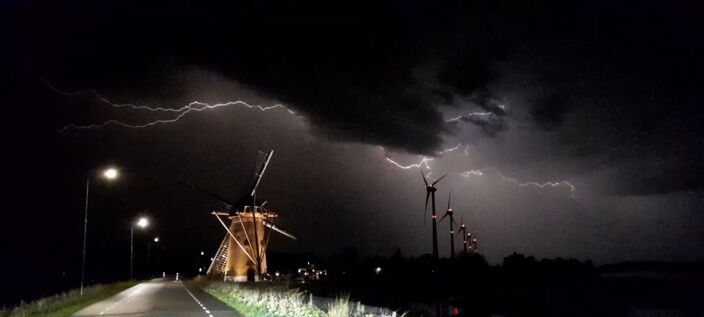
[(450, 213), (260, 174), (430, 193)]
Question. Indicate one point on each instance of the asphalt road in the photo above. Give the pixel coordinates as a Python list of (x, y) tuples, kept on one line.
[(160, 298)]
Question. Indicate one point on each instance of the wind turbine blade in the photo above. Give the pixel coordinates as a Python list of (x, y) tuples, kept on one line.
[(443, 217), (424, 179), (449, 197), (437, 180)]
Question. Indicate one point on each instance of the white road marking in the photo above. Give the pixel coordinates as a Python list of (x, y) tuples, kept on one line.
[(207, 312)]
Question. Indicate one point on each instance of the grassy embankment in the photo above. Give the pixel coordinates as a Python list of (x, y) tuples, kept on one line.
[(279, 301), (66, 304)]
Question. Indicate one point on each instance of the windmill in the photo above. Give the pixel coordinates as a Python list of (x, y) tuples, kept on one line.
[(450, 213), (430, 192), (242, 252)]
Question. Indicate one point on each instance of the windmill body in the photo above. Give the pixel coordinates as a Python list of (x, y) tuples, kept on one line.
[(242, 253), (237, 259)]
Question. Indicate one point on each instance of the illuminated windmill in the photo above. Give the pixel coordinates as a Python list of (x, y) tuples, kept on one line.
[(430, 189), (242, 252), (449, 212)]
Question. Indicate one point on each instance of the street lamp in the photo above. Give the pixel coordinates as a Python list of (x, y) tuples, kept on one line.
[(149, 253), (201, 254), (110, 174), (142, 223)]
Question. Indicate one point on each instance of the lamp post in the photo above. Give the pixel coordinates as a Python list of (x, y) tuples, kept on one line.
[(142, 223), (110, 174)]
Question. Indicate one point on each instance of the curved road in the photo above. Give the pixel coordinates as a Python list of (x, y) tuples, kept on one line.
[(160, 298)]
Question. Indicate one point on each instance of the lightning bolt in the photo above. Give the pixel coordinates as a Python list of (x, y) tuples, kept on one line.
[(469, 115), (539, 185), (469, 173), (198, 106), (448, 150), (424, 162), (195, 106)]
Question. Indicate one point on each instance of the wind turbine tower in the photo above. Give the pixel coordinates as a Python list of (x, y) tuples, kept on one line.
[(430, 192), (450, 213)]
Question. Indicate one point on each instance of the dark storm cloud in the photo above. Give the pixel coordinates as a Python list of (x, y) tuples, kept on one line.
[(621, 79), (349, 69)]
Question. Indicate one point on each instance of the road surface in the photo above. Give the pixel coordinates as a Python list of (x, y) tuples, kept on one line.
[(160, 298)]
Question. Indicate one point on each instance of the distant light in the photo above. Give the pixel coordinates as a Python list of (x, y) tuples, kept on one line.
[(377, 270), (156, 239), (143, 222), (202, 252), (200, 270), (277, 274), (110, 173)]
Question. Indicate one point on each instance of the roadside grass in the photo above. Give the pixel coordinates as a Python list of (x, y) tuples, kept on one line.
[(263, 300), (67, 303), (270, 300)]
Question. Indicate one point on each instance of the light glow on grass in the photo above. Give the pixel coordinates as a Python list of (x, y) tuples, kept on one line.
[(270, 300), (68, 303)]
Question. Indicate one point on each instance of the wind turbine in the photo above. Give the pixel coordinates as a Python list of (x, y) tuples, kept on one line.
[(430, 192), (450, 213), (463, 229)]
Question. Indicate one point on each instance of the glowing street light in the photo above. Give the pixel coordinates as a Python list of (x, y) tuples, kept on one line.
[(143, 222), (109, 174), (156, 239)]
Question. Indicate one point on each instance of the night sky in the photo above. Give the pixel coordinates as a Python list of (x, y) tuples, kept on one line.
[(566, 128)]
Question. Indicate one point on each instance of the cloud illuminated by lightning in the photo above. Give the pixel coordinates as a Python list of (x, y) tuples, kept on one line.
[(467, 174)]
